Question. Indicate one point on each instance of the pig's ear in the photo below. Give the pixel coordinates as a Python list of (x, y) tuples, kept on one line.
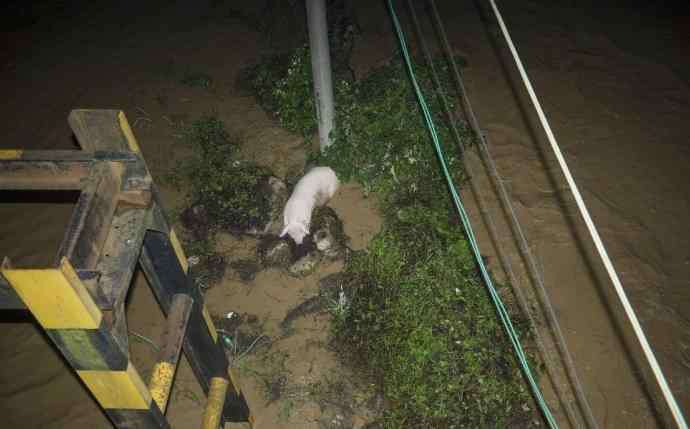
[(285, 231)]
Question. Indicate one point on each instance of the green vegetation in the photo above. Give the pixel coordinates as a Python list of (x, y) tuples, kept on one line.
[(421, 324), (282, 85), (228, 189)]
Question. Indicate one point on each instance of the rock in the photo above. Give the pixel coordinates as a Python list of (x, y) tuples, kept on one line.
[(327, 233), (306, 264), (195, 219), (274, 251), (246, 268), (312, 305), (278, 196)]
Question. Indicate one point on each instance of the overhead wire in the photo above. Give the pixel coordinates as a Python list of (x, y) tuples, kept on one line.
[(500, 308), (523, 246), (594, 233)]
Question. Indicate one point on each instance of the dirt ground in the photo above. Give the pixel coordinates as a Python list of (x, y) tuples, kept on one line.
[(613, 82)]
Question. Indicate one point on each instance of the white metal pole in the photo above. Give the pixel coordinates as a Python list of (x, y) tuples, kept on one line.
[(321, 69)]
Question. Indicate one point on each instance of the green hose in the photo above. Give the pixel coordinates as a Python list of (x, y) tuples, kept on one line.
[(500, 308)]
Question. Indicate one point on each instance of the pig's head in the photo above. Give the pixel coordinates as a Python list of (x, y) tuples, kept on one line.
[(297, 231)]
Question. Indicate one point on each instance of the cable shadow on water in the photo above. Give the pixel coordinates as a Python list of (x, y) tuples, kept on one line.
[(584, 248)]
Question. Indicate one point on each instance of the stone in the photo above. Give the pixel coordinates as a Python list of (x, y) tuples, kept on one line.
[(327, 233), (306, 264), (274, 251)]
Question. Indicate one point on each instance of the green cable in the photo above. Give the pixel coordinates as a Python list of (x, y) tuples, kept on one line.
[(502, 312)]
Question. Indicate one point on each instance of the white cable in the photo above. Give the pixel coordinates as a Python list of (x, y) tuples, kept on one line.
[(649, 354)]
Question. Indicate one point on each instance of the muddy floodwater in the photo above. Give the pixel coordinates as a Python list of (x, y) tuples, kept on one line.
[(613, 82)]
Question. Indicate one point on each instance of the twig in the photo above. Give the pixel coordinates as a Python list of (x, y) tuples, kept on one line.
[(251, 346)]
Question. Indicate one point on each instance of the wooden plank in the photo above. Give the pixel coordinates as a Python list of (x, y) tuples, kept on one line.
[(213, 411), (90, 349), (92, 217), (43, 175), (205, 355), (138, 419), (65, 157), (168, 357), (98, 130), (55, 296), (117, 389), (120, 253)]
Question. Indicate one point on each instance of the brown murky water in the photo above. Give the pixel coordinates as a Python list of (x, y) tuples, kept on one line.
[(619, 111)]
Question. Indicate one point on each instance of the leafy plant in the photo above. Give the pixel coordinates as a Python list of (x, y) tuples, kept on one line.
[(283, 86), (229, 189), (421, 323)]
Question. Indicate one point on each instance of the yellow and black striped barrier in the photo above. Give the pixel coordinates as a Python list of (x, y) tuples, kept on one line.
[(118, 223), (64, 308)]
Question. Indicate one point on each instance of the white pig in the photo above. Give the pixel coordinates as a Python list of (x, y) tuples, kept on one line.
[(312, 190)]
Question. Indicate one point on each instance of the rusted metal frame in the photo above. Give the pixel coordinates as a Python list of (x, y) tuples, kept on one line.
[(93, 213), (118, 179), (54, 169), (20, 174), (9, 300), (122, 239), (68, 156), (205, 355), (117, 265), (169, 355), (99, 130)]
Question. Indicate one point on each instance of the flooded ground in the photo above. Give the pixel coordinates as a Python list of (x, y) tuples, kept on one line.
[(618, 100)]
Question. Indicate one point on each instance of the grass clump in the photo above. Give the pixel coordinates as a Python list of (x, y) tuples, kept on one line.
[(283, 86), (229, 190), (421, 323)]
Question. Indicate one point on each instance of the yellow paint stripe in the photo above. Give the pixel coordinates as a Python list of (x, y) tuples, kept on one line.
[(214, 403), (55, 296), (209, 324), (179, 251), (161, 383), (117, 389), (127, 131), (11, 154)]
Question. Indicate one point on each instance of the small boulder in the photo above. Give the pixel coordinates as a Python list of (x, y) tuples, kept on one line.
[(306, 264), (274, 251), (328, 234)]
